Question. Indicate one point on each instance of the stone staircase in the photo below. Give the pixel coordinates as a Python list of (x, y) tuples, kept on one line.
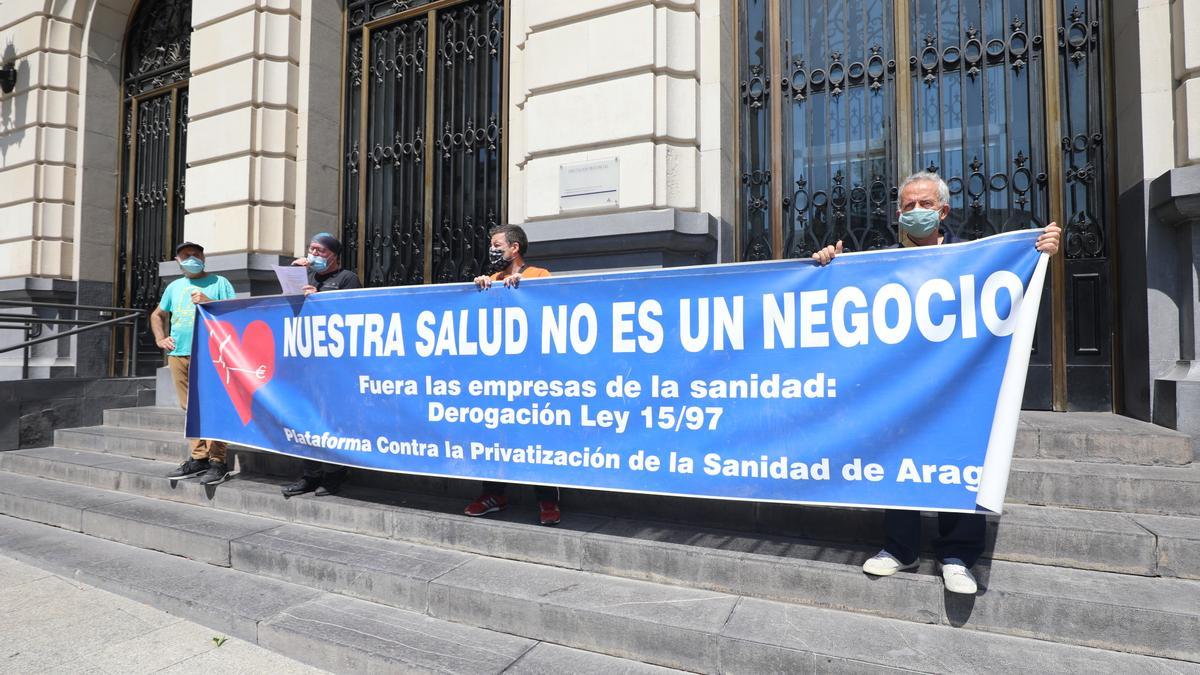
[(1094, 567)]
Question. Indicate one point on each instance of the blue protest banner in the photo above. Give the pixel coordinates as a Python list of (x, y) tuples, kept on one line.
[(886, 379)]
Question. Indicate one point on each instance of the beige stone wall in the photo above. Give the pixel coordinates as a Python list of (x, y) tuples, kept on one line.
[(1185, 39), (242, 149), (640, 81), (1143, 90), (262, 147), (39, 125), (645, 81), (318, 140)]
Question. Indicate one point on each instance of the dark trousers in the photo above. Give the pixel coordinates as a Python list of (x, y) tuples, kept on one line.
[(960, 535), (317, 470), (543, 493)]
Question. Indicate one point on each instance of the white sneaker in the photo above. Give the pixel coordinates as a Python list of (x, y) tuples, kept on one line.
[(884, 564), (957, 577)]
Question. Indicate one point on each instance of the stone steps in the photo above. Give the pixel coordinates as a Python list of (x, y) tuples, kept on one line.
[(329, 631), (1107, 487), (1096, 437), (1095, 522), (1091, 437), (390, 553), (353, 602), (1106, 541), (1104, 486), (1095, 563)]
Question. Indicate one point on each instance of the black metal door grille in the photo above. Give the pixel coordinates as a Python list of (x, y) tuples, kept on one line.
[(423, 170), (153, 161), (840, 99)]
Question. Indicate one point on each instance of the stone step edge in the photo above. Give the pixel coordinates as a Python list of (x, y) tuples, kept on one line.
[(176, 435), (920, 591), (1189, 473), (363, 497), (434, 519), (1146, 564), (268, 631), (987, 643)]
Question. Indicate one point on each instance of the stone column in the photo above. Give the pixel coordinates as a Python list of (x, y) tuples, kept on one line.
[(1175, 199), (242, 149), (1175, 203)]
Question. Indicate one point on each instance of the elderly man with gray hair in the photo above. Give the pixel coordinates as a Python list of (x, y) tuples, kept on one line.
[(923, 206)]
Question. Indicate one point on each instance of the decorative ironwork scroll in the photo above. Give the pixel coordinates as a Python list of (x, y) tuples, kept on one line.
[(150, 191), (429, 179), (180, 177), (838, 125), (158, 46), (1087, 208), (980, 111), (351, 135), (467, 178), (754, 108), (1083, 141), (396, 155), (360, 12)]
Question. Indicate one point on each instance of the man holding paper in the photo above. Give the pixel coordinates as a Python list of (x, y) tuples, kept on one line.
[(923, 206), (325, 274)]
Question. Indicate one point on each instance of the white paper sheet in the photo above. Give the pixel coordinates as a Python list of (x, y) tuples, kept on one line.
[(292, 278)]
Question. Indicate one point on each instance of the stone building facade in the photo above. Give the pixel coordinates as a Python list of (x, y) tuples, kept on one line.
[(409, 127)]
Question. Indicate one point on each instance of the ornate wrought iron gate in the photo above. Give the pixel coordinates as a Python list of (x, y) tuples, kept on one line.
[(423, 176), (840, 99), (153, 161)]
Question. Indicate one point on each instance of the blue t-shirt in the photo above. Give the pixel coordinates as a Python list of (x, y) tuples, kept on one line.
[(177, 299)]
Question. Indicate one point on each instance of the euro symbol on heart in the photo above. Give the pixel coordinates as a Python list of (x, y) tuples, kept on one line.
[(243, 365)]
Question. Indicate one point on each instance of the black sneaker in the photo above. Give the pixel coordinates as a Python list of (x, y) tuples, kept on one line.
[(332, 482), (189, 468), (215, 474), (301, 486)]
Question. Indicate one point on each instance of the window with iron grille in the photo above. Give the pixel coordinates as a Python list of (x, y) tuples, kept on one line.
[(1007, 99), (423, 163)]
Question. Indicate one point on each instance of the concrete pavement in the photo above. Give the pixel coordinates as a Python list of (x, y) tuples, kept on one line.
[(53, 624)]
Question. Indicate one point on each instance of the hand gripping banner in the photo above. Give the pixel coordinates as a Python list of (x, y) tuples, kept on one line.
[(885, 379)]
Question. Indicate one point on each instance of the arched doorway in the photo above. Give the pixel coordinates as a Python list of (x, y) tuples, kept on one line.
[(155, 72)]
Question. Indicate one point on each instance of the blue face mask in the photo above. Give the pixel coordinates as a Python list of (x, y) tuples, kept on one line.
[(920, 223), (317, 263), (192, 265)]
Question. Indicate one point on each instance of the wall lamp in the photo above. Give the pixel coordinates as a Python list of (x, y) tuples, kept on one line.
[(8, 78)]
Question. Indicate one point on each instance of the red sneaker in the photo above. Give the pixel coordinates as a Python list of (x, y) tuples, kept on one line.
[(486, 504), (550, 515)]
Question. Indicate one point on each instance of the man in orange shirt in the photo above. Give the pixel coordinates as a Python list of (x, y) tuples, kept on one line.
[(507, 257)]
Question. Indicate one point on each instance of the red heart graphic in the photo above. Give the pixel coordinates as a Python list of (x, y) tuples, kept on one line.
[(245, 365)]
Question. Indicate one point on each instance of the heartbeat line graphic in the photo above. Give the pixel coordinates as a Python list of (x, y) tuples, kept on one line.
[(260, 372)]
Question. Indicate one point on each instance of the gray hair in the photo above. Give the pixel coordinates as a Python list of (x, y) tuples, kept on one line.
[(931, 177)]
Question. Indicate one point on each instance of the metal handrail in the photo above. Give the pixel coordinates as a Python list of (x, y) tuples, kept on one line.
[(32, 325)]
